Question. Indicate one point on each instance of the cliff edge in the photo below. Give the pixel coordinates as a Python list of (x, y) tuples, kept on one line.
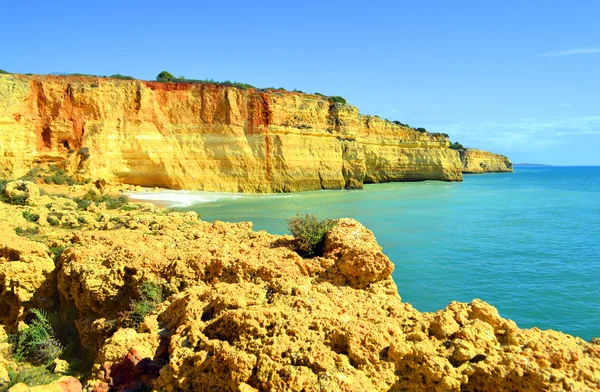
[(477, 161), (207, 137)]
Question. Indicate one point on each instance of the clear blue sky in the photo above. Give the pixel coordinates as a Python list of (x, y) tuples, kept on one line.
[(520, 78)]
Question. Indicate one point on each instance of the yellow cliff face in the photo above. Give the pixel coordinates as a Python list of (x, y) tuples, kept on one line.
[(207, 137), (478, 161)]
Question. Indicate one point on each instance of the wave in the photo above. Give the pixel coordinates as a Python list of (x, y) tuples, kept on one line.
[(181, 198)]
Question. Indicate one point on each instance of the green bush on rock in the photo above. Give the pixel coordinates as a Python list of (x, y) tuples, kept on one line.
[(30, 376), (337, 99), (37, 342), (309, 233), (111, 202), (149, 295)]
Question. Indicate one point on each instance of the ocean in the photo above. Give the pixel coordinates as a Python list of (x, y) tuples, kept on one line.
[(527, 242)]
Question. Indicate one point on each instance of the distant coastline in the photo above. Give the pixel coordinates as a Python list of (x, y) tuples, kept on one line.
[(531, 165)]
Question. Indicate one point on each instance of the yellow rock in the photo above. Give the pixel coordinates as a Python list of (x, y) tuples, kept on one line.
[(207, 137), (477, 161), (26, 278)]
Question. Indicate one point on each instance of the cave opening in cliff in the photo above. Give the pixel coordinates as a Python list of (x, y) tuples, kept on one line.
[(65, 144), (47, 137)]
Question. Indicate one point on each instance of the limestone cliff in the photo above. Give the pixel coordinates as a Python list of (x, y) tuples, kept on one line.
[(477, 161), (207, 137)]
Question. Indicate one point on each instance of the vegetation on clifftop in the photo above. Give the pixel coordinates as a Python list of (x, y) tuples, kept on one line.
[(166, 76), (456, 146)]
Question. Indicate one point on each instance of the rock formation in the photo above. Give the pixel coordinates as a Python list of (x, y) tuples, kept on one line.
[(477, 161), (242, 311), (207, 137)]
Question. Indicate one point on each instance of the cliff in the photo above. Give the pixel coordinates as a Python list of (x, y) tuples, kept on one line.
[(207, 137), (477, 161), (242, 311)]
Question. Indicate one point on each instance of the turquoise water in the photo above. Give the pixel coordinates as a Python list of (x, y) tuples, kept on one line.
[(526, 242)]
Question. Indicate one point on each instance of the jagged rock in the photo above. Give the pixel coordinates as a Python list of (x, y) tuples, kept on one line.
[(26, 275), (357, 255)]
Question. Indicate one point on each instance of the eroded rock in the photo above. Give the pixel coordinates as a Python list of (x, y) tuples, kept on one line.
[(26, 275)]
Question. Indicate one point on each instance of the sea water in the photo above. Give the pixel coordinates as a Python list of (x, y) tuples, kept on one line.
[(527, 242)]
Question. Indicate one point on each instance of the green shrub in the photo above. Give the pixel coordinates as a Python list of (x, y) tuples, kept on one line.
[(165, 76), (309, 233), (82, 202), (421, 130), (30, 376), (111, 202), (457, 146), (20, 200), (27, 231), (123, 77), (56, 251), (149, 295), (150, 291), (53, 220), (3, 71), (401, 124), (441, 134), (55, 179), (31, 216), (31, 175), (37, 342), (337, 99)]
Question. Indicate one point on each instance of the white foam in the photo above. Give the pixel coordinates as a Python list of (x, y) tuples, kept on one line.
[(182, 198)]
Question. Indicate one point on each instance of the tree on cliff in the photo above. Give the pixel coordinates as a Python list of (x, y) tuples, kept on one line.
[(165, 76)]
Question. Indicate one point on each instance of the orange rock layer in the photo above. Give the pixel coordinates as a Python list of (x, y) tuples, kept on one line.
[(207, 137)]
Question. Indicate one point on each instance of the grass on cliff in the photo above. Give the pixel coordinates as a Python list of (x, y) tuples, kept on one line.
[(166, 76), (337, 99), (37, 342), (30, 376), (52, 175), (309, 233), (21, 201), (111, 202), (149, 295), (31, 216)]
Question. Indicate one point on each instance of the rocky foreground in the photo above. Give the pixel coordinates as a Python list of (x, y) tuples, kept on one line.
[(242, 311)]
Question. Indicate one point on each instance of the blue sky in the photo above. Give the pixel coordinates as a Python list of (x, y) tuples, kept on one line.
[(516, 77)]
